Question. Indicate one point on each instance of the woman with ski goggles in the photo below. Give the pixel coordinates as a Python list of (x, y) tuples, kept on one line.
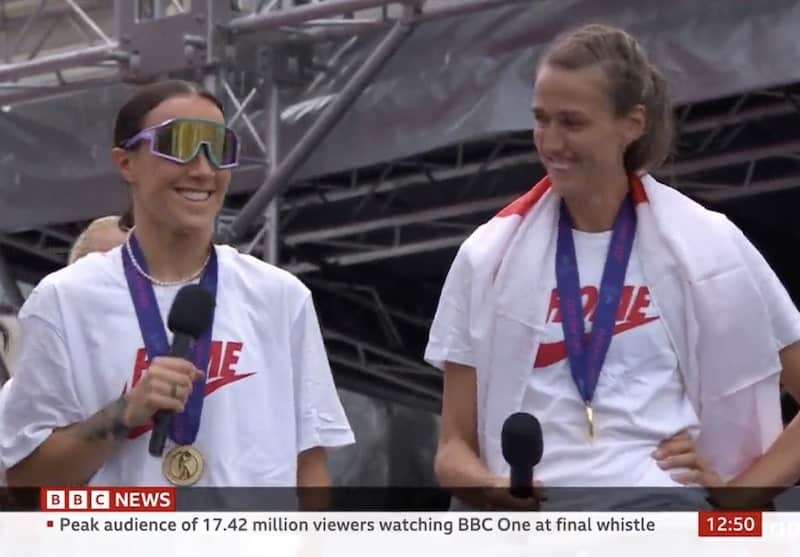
[(256, 406), (180, 140)]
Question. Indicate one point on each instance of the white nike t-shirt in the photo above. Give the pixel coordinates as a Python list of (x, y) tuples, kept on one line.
[(639, 399), (269, 390)]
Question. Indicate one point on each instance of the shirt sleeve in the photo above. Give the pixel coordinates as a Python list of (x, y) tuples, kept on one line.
[(320, 416), (783, 313), (449, 337), (41, 396)]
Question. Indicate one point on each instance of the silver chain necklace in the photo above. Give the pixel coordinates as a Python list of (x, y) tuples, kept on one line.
[(155, 280)]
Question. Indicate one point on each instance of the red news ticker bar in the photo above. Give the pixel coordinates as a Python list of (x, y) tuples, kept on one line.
[(737, 524), (107, 499)]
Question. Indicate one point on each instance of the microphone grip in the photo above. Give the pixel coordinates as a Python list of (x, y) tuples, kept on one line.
[(182, 346), (158, 438), (521, 482)]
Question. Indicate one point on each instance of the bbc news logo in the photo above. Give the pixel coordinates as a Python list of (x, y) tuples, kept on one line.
[(119, 499)]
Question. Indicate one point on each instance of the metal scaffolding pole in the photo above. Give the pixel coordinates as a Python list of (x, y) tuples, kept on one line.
[(280, 177), (726, 159), (727, 193), (302, 14), (72, 59), (469, 7), (272, 214)]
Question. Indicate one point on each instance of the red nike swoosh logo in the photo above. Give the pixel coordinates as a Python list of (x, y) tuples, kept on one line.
[(223, 381), (553, 352), (210, 388)]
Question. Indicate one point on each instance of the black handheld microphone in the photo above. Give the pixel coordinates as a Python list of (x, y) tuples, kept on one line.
[(521, 441), (189, 317)]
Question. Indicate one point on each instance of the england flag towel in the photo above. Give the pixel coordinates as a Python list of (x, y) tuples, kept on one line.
[(726, 313)]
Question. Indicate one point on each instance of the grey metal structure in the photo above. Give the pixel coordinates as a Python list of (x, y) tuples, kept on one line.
[(377, 133)]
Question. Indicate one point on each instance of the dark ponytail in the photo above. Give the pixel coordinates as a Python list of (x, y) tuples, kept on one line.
[(131, 116)]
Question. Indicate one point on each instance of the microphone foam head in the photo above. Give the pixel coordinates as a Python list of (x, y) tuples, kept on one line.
[(192, 311), (521, 440)]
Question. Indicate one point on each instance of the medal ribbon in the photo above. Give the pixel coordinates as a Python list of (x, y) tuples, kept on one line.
[(586, 353), (185, 425)]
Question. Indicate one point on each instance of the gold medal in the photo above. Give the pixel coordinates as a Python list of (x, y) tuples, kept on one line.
[(183, 465), (590, 419)]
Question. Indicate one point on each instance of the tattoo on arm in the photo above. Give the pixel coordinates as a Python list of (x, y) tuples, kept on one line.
[(99, 427)]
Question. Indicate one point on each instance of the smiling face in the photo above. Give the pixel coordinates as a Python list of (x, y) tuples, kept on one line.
[(175, 197), (579, 137)]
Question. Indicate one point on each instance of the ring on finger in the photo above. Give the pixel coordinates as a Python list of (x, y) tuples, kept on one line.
[(174, 390)]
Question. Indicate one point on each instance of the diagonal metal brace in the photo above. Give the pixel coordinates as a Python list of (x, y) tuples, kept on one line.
[(280, 178)]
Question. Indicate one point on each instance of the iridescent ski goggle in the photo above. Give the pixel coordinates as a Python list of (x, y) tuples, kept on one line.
[(180, 139)]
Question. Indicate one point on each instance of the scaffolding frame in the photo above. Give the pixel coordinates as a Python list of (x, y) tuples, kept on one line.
[(110, 49)]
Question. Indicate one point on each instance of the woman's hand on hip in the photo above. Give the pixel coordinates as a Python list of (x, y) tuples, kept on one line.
[(679, 451)]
